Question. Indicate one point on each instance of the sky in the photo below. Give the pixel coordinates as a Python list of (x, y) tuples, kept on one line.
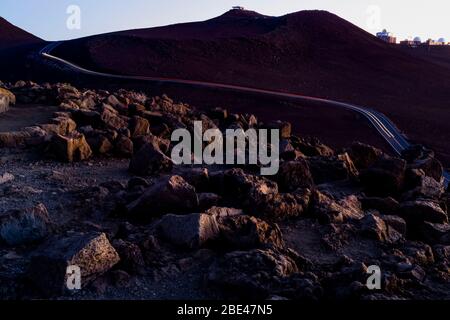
[(69, 19)]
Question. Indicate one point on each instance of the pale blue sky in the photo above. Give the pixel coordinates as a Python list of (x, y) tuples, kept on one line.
[(47, 18)]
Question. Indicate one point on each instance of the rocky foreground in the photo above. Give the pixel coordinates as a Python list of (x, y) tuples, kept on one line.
[(95, 187)]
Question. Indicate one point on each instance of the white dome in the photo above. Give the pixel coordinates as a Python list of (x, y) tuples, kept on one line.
[(441, 40), (417, 39)]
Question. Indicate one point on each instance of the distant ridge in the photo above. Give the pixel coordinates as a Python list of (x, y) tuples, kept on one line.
[(11, 35)]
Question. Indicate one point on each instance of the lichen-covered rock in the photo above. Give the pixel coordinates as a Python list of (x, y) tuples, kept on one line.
[(91, 252)]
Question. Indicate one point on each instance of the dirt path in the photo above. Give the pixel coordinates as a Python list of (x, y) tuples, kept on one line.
[(22, 116)]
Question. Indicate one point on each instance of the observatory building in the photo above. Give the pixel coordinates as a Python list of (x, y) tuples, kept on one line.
[(386, 36)]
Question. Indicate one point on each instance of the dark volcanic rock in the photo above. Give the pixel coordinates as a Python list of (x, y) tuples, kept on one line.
[(124, 147), (189, 231), (376, 228), (131, 259), (168, 195), (435, 233), (252, 274), (19, 227), (311, 147), (332, 169), (245, 232), (139, 127), (294, 174), (419, 157), (385, 205), (328, 210), (363, 155), (282, 206), (422, 186), (385, 177), (70, 148), (92, 253), (150, 160), (420, 211)]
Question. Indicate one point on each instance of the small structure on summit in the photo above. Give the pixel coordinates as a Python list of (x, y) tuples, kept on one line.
[(238, 8), (386, 36)]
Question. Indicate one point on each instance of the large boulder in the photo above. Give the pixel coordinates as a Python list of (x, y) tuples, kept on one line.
[(99, 143), (124, 147), (150, 160), (419, 211), (14, 139), (18, 227), (168, 195), (247, 189), (7, 98), (294, 174), (111, 119), (91, 252), (245, 233), (131, 258), (421, 158), (139, 127), (281, 206), (423, 187), (363, 155), (384, 205), (197, 176), (329, 169), (250, 273), (73, 147), (260, 197), (435, 233), (385, 177), (376, 228), (189, 231), (328, 210), (64, 124), (311, 147)]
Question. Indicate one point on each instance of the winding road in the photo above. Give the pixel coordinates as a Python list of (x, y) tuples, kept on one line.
[(385, 127)]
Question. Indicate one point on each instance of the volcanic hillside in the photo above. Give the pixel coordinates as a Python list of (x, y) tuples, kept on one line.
[(309, 52), (10, 35), (16, 47)]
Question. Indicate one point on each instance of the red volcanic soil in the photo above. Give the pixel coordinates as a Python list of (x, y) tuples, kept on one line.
[(436, 54), (10, 35), (309, 52)]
